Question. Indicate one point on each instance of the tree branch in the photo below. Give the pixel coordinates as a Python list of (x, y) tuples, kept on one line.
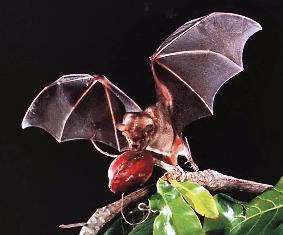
[(210, 179), (108, 212), (215, 181)]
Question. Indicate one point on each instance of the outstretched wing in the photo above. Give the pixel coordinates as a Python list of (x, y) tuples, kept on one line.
[(81, 106), (197, 59)]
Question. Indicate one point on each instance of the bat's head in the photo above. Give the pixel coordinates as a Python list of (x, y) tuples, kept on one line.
[(138, 128)]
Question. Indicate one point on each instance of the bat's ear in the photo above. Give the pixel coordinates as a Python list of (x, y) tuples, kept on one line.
[(121, 127)]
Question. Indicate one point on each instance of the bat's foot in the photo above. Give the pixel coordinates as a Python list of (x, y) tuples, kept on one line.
[(188, 155), (176, 173), (180, 173), (194, 166)]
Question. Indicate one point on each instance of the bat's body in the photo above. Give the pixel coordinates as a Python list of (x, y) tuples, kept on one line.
[(153, 130), (188, 68)]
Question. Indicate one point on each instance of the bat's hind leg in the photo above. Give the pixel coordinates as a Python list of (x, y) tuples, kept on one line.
[(181, 147), (188, 155)]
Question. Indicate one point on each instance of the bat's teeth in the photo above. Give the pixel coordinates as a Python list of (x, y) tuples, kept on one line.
[(134, 147)]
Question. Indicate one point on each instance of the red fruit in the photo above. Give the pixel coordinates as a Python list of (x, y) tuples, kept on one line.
[(129, 170)]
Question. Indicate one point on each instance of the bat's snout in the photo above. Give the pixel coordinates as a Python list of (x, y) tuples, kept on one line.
[(136, 146)]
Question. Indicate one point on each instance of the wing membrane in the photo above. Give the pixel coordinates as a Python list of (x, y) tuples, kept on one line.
[(81, 106), (198, 58)]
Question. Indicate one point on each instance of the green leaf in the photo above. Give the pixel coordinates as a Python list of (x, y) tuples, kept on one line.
[(145, 228), (261, 216), (176, 216), (278, 230), (119, 226), (263, 213), (199, 198), (156, 202), (228, 209)]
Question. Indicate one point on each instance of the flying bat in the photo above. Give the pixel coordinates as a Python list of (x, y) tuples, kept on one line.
[(188, 69)]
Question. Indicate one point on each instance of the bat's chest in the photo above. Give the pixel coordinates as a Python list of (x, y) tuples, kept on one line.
[(163, 139)]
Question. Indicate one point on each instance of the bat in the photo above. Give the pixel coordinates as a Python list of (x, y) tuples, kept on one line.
[(188, 69)]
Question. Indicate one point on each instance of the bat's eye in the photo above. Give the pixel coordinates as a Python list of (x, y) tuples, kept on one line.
[(149, 128)]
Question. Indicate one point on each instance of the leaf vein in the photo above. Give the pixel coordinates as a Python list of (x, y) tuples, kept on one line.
[(265, 227), (267, 200), (257, 214)]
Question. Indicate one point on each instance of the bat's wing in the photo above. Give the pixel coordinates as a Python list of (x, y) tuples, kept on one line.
[(81, 106), (195, 61)]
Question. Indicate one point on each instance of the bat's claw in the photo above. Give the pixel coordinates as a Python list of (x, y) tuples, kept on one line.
[(193, 165), (189, 156)]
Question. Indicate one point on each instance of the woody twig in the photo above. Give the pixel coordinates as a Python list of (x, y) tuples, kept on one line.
[(210, 179)]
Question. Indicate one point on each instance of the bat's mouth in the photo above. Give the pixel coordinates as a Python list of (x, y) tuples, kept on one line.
[(135, 147), (138, 147)]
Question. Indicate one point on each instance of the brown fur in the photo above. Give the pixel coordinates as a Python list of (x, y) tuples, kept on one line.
[(152, 129)]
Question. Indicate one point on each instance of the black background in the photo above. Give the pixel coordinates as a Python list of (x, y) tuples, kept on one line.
[(43, 183)]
